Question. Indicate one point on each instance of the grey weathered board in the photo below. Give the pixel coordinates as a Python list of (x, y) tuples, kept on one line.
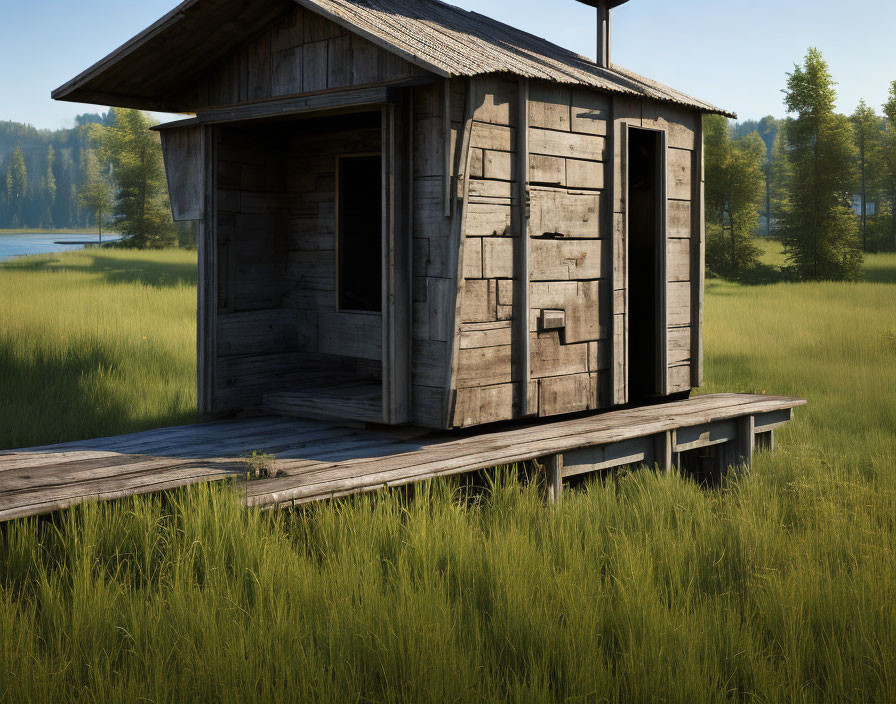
[(322, 459)]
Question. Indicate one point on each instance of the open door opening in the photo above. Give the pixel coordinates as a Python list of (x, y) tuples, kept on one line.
[(646, 275), (302, 236)]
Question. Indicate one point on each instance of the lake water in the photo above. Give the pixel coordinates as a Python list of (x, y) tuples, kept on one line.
[(44, 242)]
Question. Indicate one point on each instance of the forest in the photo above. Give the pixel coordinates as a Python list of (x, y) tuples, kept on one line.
[(42, 172)]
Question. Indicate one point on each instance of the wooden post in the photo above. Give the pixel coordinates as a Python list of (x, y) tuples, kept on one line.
[(745, 440), (209, 271), (446, 145), (663, 451), (553, 479), (698, 258), (523, 275)]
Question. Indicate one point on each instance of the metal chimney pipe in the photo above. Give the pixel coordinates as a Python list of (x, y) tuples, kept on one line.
[(603, 33)]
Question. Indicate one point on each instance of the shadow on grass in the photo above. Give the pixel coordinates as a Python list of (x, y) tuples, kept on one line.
[(52, 398), (880, 274), (117, 270)]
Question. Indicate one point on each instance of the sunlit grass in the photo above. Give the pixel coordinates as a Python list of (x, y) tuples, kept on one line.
[(778, 587), (96, 342)]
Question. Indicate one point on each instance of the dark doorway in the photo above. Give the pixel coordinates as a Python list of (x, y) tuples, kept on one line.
[(645, 272), (360, 226)]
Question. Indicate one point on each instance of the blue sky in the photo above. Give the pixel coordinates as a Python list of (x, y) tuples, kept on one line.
[(734, 55)]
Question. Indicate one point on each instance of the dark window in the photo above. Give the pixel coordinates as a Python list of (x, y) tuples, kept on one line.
[(360, 233)]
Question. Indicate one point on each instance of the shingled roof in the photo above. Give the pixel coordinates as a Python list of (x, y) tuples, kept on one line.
[(434, 35)]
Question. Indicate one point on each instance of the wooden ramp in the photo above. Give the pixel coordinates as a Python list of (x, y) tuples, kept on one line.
[(318, 459)]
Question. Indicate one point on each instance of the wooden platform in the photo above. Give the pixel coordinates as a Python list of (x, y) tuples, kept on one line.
[(318, 459)]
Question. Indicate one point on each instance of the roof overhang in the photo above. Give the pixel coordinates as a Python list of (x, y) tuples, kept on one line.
[(132, 76), (158, 68)]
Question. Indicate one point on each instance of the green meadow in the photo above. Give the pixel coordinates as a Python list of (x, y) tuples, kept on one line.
[(779, 586)]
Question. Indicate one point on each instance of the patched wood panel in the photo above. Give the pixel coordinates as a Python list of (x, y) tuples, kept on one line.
[(590, 111), (549, 105), (481, 366), (567, 394), (491, 334), (560, 260), (567, 144), (557, 212), (678, 169), (581, 302), (678, 260), (679, 344), (184, 167), (679, 123), (497, 257), (495, 100), (351, 335), (550, 357)]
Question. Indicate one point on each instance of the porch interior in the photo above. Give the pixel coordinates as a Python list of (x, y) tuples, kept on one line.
[(299, 222)]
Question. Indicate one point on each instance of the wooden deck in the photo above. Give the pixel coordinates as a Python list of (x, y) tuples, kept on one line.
[(318, 459)]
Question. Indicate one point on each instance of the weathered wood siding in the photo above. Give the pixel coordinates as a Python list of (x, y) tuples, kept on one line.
[(437, 123), (299, 53), (569, 267), (182, 149), (255, 340)]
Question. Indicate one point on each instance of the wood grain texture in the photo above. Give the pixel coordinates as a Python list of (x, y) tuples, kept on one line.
[(321, 459), (183, 151)]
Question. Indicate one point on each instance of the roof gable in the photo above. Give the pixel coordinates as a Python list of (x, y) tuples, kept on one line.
[(163, 67)]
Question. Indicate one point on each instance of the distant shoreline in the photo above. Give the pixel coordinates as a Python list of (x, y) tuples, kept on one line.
[(63, 231)]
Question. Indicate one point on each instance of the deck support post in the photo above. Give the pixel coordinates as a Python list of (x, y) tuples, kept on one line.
[(663, 451), (553, 478), (745, 440)]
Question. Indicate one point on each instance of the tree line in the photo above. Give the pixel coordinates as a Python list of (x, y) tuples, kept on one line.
[(105, 172), (822, 182)]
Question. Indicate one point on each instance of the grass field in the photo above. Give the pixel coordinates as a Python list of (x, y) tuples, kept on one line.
[(95, 343), (780, 586)]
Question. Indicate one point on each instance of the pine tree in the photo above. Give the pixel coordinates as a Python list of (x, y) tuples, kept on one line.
[(866, 128), (819, 227), (887, 175), (95, 194), (48, 186), (17, 187), (135, 153), (734, 191)]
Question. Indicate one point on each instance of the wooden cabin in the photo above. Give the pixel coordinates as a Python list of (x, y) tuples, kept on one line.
[(411, 213)]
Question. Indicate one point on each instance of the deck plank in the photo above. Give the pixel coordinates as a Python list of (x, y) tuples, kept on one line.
[(318, 459)]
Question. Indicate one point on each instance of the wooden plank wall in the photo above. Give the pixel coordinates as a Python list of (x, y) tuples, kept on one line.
[(278, 322), (683, 227), (345, 344), (299, 53), (569, 268), (255, 340), (435, 278)]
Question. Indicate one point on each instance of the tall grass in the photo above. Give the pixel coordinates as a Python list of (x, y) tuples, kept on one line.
[(643, 588), (96, 342)]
